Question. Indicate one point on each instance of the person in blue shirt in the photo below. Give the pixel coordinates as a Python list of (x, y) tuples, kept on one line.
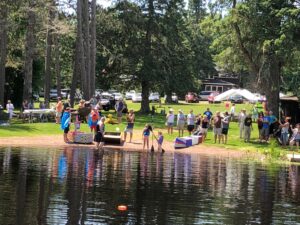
[(265, 127), (273, 123), (208, 114), (146, 134)]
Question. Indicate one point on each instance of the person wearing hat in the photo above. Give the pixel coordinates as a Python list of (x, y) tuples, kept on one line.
[(130, 124), (180, 122), (170, 121), (10, 109), (241, 120), (225, 127), (59, 110)]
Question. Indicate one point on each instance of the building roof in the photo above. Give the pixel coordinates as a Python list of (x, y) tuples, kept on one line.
[(216, 81), (289, 98)]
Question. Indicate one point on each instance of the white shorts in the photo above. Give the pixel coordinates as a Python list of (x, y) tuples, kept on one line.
[(58, 114), (204, 130), (217, 131)]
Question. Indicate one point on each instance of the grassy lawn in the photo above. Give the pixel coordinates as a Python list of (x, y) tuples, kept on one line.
[(158, 120)]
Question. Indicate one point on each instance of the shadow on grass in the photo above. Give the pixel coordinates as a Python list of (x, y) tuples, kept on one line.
[(19, 127)]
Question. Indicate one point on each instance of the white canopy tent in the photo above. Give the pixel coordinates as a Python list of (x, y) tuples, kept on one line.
[(237, 92)]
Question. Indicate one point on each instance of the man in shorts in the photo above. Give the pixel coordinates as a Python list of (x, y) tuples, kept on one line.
[(265, 128), (217, 122), (225, 127)]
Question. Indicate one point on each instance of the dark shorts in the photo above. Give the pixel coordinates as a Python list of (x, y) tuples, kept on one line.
[(271, 131), (67, 129), (98, 137), (190, 128), (225, 131)]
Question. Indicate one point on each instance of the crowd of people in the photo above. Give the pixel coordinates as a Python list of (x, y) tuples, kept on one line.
[(267, 124)]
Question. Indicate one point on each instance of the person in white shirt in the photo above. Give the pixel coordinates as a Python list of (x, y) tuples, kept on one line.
[(10, 109), (170, 121), (180, 122), (241, 118), (190, 122)]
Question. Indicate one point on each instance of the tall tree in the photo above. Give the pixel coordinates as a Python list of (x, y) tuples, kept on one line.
[(3, 47), (86, 48), (30, 43), (93, 47), (48, 55)]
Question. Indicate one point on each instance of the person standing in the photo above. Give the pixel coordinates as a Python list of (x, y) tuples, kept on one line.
[(130, 124), (225, 127), (100, 130), (248, 128), (146, 134), (273, 123), (266, 127), (65, 123), (170, 121), (208, 114), (217, 121), (119, 106), (241, 120), (285, 131), (58, 109), (10, 109), (260, 124), (190, 122), (204, 127), (93, 119), (160, 140), (232, 112), (180, 122)]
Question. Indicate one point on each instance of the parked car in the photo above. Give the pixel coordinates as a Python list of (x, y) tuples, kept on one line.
[(211, 97), (237, 99), (137, 97), (204, 95), (53, 94), (191, 97), (174, 98), (107, 101), (117, 96), (154, 97), (65, 92), (129, 94), (98, 92)]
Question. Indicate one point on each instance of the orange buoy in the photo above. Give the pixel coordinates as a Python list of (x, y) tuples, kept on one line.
[(122, 207)]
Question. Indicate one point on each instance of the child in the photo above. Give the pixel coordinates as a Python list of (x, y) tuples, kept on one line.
[(146, 134), (65, 123), (160, 140), (100, 129), (93, 119)]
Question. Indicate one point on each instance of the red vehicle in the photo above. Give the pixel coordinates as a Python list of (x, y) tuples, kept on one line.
[(191, 97), (211, 97)]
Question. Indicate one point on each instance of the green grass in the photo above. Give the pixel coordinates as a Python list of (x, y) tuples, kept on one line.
[(19, 129)]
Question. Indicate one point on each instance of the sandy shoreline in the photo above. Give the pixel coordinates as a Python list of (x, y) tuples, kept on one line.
[(56, 141)]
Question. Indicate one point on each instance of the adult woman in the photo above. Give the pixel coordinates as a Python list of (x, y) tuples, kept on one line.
[(170, 121), (10, 109), (285, 131), (180, 122), (130, 124), (204, 127), (190, 122)]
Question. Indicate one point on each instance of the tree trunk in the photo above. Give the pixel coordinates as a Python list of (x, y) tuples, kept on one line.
[(80, 52), (57, 65), (48, 57), (86, 47), (93, 48), (147, 68), (145, 108), (3, 49), (270, 82), (29, 53)]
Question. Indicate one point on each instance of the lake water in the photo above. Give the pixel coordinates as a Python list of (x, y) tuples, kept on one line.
[(79, 186)]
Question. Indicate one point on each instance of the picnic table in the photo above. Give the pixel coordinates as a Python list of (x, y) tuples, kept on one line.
[(41, 115)]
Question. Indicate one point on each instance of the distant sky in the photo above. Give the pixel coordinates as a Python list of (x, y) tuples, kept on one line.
[(107, 3)]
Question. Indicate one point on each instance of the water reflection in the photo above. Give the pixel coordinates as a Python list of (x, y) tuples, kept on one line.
[(82, 186)]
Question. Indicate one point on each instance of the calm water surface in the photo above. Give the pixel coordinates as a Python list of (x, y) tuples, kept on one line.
[(79, 186)]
